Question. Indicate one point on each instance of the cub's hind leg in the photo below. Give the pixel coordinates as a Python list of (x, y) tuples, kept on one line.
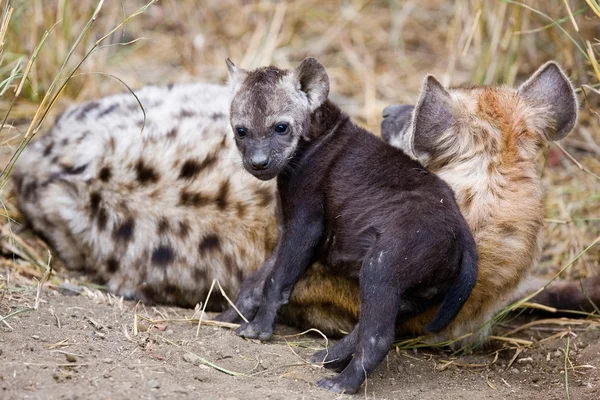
[(338, 356), (380, 297)]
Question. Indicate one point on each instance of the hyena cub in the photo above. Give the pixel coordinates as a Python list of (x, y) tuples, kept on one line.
[(347, 199)]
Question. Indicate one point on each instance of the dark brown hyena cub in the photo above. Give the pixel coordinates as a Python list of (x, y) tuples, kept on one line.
[(349, 200)]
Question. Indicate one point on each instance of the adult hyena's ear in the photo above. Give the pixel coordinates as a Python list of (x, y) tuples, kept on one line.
[(314, 82), (432, 116), (395, 123), (236, 75), (550, 89)]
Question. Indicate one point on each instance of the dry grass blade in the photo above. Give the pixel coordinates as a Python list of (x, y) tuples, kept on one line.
[(594, 6), (567, 360), (520, 342), (553, 321), (203, 360)]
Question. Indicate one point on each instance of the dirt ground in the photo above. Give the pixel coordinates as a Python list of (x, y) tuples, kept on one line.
[(85, 346), (75, 347)]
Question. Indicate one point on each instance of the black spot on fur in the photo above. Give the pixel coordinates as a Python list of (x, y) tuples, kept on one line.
[(48, 149), (102, 219), (210, 243), (189, 169), (70, 170), (229, 264), (95, 200), (241, 209), (149, 293), (172, 132), (200, 275), (108, 110), (145, 174), (209, 161), (223, 143), (105, 174), (29, 189), (184, 229), (124, 232), (192, 199), (508, 229), (163, 256), (265, 196), (170, 86), (112, 265), (18, 180), (217, 115), (86, 109), (221, 198), (163, 226), (64, 142), (186, 114)]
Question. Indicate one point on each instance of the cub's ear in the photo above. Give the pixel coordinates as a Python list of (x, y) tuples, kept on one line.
[(314, 82), (395, 123), (550, 89), (236, 75), (432, 116)]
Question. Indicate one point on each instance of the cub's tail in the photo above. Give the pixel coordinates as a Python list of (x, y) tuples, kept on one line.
[(461, 288)]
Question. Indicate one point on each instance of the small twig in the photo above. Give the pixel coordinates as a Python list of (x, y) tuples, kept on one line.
[(203, 360), (47, 275), (204, 308), (555, 321), (566, 371), (518, 351), (522, 342), (15, 313), (231, 302), (574, 161)]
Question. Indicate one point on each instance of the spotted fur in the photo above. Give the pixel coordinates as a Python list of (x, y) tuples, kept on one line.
[(155, 214)]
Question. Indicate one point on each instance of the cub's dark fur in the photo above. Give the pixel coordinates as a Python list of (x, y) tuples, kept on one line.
[(354, 203)]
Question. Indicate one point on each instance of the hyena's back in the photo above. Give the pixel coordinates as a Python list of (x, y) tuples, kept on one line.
[(157, 214)]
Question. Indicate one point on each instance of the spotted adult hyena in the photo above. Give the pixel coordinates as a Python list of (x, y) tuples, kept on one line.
[(158, 215)]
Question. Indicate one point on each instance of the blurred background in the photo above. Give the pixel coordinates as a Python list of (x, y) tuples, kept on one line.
[(58, 52)]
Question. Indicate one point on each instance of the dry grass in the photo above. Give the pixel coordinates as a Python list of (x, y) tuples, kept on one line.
[(376, 52)]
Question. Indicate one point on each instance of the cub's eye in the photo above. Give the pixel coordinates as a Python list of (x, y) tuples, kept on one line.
[(282, 129), (241, 132)]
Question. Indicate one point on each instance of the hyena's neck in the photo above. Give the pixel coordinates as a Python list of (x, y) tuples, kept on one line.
[(486, 194), (325, 120)]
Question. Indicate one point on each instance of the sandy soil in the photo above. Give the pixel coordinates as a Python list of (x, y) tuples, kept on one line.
[(76, 347)]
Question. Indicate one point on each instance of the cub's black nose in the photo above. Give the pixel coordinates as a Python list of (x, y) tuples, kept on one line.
[(260, 162)]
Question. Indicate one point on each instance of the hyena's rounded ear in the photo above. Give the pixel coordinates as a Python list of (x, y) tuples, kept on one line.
[(550, 90), (314, 82), (395, 123), (236, 75), (432, 116)]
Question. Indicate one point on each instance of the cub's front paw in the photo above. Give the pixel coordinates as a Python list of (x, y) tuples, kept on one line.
[(254, 330), (329, 360), (229, 315), (337, 384)]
